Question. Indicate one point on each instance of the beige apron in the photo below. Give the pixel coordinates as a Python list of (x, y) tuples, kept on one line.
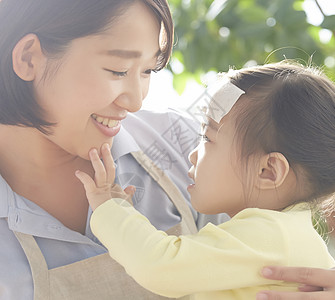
[(100, 277)]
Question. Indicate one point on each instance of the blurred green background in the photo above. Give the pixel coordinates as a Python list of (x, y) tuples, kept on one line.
[(215, 35)]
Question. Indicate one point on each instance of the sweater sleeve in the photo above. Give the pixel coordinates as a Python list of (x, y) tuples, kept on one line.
[(175, 266)]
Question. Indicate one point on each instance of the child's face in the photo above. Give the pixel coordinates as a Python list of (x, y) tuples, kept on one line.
[(106, 75), (217, 186)]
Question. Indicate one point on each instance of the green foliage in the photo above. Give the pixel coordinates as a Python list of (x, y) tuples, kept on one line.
[(217, 35)]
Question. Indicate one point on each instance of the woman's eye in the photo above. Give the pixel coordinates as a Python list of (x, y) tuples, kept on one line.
[(118, 74), (149, 71)]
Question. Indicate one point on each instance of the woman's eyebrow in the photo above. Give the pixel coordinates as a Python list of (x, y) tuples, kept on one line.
[(124, 53), (127, 53)]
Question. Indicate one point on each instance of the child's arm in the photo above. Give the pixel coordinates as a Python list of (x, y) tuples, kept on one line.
[(169, 265)]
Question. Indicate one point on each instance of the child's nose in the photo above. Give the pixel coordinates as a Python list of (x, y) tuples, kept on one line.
[(193, 156)]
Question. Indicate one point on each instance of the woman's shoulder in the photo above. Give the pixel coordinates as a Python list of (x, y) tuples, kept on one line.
[(169, 131), (164, 117), (13, 262)]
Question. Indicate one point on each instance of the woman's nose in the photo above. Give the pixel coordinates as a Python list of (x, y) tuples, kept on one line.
[(193, 156), (135, 90)]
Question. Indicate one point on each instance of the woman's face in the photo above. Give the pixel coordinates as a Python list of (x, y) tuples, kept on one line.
[(98, 81)]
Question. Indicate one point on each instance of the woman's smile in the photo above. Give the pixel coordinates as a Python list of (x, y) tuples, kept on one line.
[(107, 126), (109, 122)]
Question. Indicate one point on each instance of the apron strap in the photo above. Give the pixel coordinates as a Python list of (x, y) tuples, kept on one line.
[(38, 265), (169, 187)]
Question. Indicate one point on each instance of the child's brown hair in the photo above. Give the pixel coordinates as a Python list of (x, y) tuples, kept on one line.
[(290, 109)]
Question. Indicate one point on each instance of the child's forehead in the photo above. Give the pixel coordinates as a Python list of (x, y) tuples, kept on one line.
[(223, 95)]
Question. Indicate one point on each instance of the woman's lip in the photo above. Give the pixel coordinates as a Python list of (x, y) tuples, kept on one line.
[(107, 131)]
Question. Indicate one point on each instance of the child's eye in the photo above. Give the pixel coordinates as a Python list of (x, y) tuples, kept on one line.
[(203, 138), (118, 74)]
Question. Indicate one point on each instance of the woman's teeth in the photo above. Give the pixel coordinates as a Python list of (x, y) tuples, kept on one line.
[(105, 121)]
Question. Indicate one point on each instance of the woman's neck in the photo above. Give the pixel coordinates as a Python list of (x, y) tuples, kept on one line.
[(42, 172)]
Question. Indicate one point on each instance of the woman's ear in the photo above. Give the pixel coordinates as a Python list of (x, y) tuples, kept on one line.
[(27, 57), (273, 170)]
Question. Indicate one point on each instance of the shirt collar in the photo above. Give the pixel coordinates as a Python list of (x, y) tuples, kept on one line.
[(123, 142), (298, 207), (27, 217), (3, 198)]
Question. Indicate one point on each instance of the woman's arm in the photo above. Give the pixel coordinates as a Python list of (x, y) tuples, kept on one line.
[(316, 284)]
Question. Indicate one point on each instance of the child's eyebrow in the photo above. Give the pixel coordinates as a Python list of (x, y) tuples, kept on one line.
[(208, 125), (212, 125)]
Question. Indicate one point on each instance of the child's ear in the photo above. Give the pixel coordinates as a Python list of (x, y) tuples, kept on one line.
[(273, 170), (27, 57)]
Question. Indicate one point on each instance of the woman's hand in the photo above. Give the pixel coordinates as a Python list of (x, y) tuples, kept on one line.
[(103, 188), (316, 284)]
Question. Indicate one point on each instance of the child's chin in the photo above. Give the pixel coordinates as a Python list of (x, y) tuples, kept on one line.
[(198, 207)]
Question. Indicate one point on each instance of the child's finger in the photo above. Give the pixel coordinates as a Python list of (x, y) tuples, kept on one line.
[(109, 163), (99, 168), (130, 190), (86, 180)]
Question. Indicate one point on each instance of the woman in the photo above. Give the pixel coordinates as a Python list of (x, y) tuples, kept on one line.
[(71, 71)]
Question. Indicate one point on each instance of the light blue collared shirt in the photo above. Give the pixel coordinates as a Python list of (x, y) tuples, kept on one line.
[(166, 138)]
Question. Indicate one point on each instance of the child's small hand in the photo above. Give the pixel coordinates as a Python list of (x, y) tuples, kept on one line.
[(103, 188)]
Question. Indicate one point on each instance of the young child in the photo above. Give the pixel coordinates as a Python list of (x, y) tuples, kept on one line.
[(265, 158)]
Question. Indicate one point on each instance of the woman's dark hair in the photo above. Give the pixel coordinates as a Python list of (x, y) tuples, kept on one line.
[(290, 109), (56, 23)]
